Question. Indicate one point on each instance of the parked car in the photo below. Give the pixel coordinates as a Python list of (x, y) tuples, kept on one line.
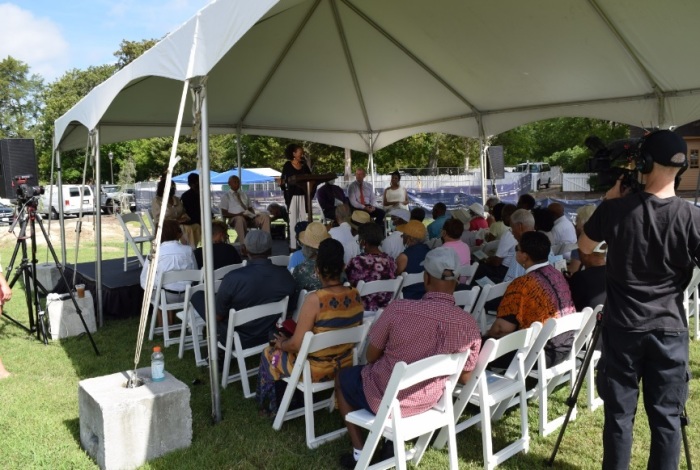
[(72, 198), (541, 172), (7, 213), (113, 198)]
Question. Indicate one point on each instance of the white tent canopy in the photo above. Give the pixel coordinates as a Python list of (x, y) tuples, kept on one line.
[(347, 72)]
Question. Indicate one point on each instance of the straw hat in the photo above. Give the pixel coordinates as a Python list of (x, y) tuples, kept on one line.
[(477, 208), (359, 218), (462, 215), (414, 229), (314, 234)]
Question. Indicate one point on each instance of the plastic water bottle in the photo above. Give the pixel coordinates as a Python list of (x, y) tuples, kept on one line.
[(157, 365)]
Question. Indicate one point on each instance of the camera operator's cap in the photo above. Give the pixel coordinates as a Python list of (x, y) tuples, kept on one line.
[(439, 260), (414, 229), (258, 242), (402, 214), (666, 148)]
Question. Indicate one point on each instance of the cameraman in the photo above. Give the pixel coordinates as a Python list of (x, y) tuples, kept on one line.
[(653, 239)]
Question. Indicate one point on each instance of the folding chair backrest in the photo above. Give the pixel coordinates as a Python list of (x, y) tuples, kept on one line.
[(223, 271), (467, 298), (133, 218), (240, 317), (382, 285), (280, 260), (412, 278), (324, 340), (554, 327), (488, 292), (584, 335), (300, 301), (468, 272), (169, 277)]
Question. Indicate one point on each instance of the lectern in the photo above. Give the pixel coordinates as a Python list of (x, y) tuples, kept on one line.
[(308, 183)]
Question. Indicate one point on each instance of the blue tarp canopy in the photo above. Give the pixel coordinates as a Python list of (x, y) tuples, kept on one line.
[(247, 177), (183, 177)]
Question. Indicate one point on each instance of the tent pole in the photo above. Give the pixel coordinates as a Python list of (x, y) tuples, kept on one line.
[(238, 153), (97, 204), (208, 250), (371, 160), (57, 156), (482, 158)]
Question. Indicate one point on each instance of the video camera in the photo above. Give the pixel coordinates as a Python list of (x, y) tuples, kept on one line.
[(24, 189), (617, 159)]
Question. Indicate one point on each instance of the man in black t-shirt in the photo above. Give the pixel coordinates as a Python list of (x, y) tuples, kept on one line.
[(653, 239)]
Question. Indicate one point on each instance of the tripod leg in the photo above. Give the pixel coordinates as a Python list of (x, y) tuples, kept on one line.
[(685, 421)]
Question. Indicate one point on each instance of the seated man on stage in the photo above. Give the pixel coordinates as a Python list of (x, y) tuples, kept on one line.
[(362, 198), (329, 196), (236, 208)]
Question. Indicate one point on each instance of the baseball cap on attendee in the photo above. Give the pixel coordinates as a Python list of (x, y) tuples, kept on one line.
[(402, 214), (314, 234), (462, 215), (414, 229), (601, 247), (439, 260), (665, 148), (359, 218), (258, 242), (477, 208)]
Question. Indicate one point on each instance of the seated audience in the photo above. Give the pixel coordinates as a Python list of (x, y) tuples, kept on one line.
[(588, 284), (259, 282), (477, 221), (297, 257), (440, 215), (225, 254), (409, 330), (563, 231), (278, 212), (544, 222), (418, 213), (305, 273), (361, 197), (497, 226), (371, 265), (343, 231), (527, 202), (238, 210), (173, 256), (451, 233), (393, 244), (582, 215), (498, 266), (491, 203), (332, 307), (542, 293), (410, 261)]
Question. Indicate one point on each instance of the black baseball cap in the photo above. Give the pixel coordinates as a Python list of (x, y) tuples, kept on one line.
[(666, 148)]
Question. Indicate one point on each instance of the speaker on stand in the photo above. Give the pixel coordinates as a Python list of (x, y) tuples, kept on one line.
[(17, 157)]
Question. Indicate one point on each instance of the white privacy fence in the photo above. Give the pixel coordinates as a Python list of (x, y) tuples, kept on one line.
[(576, 182)]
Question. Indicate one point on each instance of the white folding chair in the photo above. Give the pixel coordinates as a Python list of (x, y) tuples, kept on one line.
[(382, 285), (223, 271), (467, 298), (300, 379), (493, 393), (548, 378), (193, 322), (489, 292), (691, 301), (468, 272), (135, 240), (300, 301), (410, 279), (583, 343), (234, 348), (389, 423), (280, 260), (161, 302)]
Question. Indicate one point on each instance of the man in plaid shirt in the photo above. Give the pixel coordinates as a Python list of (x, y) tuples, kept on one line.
[(410, 330)]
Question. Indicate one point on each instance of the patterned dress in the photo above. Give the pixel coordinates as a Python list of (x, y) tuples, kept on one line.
[(337, 311), (372, 267)]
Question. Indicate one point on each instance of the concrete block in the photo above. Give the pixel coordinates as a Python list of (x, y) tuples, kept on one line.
[(64, 321), (123, 428), (47, 275)]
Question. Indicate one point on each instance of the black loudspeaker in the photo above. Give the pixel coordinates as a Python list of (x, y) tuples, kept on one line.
[(17, 157)]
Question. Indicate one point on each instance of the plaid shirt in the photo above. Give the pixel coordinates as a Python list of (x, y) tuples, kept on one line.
[(411, 330)]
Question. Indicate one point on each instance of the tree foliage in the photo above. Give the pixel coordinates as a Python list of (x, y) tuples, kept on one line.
[(20, 103)]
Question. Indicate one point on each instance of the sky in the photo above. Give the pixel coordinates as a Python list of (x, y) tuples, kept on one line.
[(54, 36)]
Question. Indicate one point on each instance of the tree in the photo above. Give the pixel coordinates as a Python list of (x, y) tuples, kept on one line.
[(20, 104), (131, 50)]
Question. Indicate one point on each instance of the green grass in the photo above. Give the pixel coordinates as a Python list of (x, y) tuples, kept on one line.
[(39, 421)]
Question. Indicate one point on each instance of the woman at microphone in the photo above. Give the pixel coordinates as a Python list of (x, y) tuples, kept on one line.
[(294, 195)]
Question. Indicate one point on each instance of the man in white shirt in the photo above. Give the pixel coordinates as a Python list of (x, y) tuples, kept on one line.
[(343, 233), (361, 196), (563, 231), (393, 244), (236, 209)]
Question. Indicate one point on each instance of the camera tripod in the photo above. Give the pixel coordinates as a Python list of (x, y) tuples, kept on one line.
[(576, 389), (26, 270)]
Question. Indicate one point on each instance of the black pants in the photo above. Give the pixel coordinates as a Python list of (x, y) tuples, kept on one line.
[(660, 361)]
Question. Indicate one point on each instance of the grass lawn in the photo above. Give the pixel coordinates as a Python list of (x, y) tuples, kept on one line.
[(39, 422)]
